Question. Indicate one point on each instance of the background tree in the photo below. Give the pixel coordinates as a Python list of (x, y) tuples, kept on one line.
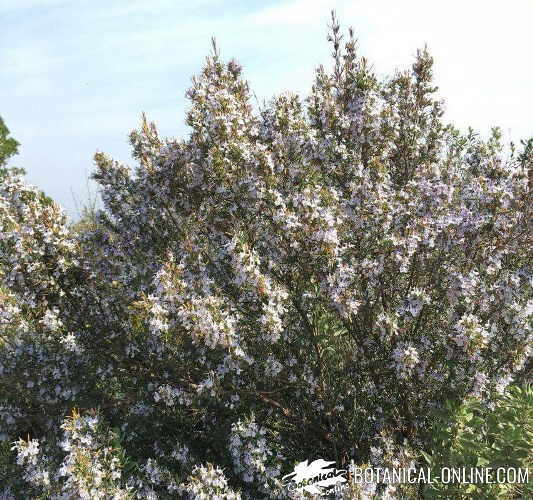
[(8, 145)]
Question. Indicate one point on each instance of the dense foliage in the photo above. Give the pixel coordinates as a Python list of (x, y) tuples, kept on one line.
[(477, 435), (311, 279)]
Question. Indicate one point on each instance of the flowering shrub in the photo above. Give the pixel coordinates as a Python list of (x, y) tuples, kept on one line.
[(91, 465), (291, 282)]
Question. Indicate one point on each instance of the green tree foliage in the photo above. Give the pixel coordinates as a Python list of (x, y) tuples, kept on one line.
[(474, 434), (8, 145)]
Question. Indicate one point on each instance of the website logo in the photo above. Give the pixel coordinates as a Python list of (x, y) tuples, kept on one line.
[(316, 477)]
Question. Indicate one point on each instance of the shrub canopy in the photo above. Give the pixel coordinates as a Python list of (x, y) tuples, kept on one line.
[(309, 279)]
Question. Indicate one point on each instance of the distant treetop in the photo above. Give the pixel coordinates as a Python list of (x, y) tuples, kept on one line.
[(8, 145)]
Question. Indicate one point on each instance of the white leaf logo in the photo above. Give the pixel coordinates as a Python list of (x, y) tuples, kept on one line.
[(314, 477)]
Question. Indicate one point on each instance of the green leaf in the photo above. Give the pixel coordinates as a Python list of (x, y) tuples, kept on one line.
[(428, 458)]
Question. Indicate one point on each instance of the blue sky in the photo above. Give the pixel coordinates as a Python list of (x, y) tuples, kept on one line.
[(75, 75)]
